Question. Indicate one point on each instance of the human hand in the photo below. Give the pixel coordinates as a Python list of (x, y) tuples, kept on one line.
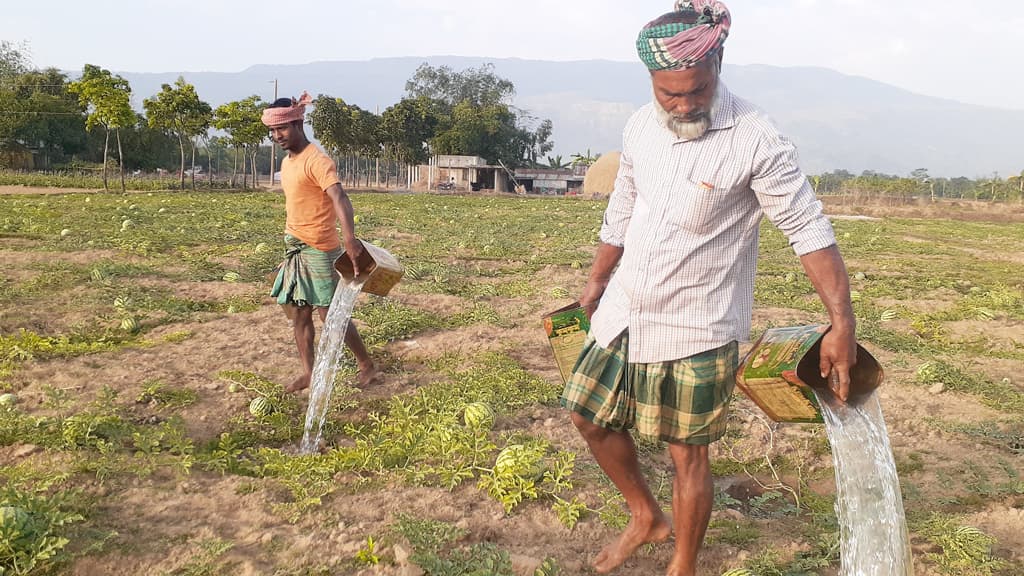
[(838, 356), (354, 249), (591, 296)]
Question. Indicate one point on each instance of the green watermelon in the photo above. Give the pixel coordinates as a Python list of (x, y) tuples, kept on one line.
[(260, 407), (8, 399), (232, 277), (889, 315), (129, 324), (478, 415), (738, 572), (65, 232), (120, 302), (97, 275), (559, 292), (518, 460)]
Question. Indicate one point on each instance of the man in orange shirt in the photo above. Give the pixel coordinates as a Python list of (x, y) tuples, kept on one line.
[(314, 201)]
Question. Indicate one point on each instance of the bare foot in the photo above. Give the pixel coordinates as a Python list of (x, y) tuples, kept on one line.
[(300, 383), (636, 534), (674, 569), (370, 376)]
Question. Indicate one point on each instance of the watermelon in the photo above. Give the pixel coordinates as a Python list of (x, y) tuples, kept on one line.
[(8, 399), (576, 265), (889, 315), (120, 302), (738, 572), (559, 292), (129, 324), (790, 278), (65, 232), (232, 277), (478, 415), (234, 387), (927, 372), (860, 276), (261, 248), (517, 460), (97, 275), (855, 296), (260, 407)]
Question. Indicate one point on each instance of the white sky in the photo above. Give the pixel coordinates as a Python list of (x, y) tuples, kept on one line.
[(967, 51)]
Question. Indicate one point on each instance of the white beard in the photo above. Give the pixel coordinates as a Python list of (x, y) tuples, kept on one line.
[(688, 129)]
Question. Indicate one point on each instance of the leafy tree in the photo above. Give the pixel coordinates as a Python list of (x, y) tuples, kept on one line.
[(407, 126), (587, 159), (557, 163), (107, 98), (241, 120), (50, 116), (479, 86), (476, 117), (178, 110)]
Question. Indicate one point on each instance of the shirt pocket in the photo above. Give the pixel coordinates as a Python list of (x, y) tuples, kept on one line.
[(696, 207)]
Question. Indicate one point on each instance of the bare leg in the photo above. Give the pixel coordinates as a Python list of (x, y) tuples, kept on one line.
[(368, 372), (692, 499), (305, 331), (616, 453)]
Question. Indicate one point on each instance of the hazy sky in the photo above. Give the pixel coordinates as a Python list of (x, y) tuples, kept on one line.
[(968, 51)]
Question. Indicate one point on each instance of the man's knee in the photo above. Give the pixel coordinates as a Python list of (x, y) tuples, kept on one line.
[(588, 429), (689, 457), (303, 315)]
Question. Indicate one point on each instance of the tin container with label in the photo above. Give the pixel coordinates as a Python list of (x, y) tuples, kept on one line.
[(781, 373)]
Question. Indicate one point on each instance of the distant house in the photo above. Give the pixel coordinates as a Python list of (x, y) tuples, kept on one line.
[(460, 173), (552, 181)]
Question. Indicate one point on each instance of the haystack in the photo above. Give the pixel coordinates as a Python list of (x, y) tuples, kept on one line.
[(600, 178)]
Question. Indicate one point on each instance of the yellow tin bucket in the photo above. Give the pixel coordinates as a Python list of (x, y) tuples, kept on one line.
[(378, 269)]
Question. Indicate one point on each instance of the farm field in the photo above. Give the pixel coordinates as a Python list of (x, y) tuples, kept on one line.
[(136, 329)]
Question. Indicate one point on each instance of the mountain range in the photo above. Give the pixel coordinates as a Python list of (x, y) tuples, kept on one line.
[(837, 121)]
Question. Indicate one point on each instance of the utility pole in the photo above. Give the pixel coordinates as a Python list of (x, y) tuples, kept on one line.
[(273, 151)]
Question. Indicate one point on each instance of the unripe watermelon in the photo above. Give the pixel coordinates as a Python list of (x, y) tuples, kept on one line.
[(559, 293), (517, 460), (260, 407), (478, 415)]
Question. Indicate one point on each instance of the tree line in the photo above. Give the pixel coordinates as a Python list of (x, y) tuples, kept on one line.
[(90, 119)]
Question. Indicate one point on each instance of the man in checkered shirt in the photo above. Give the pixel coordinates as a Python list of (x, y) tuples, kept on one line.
[(670, 293)]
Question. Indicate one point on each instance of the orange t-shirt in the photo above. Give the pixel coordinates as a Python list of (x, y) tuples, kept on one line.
[(305, 178)]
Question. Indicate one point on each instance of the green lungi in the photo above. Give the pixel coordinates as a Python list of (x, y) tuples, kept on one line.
[(684, 401), (307, 276)]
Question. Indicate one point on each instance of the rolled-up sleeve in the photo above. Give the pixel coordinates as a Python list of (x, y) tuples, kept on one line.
[(620, 205), (787, 198)]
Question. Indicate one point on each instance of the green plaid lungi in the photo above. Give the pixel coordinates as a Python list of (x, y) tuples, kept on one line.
[(684, 401), (307, 276)]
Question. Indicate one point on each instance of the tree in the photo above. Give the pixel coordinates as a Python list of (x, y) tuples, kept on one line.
[(178, 110), (241, 120), (587, 159), (107, 98), (407, 126), (476, 117), (479, 86), (557, 163)]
